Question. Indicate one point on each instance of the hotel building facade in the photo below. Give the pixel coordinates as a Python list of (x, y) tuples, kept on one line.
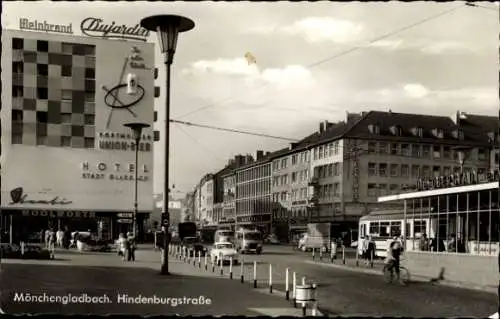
[(67, 160)]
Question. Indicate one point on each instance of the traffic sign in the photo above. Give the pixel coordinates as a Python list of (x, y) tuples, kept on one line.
[(124, 221), (165, 219)]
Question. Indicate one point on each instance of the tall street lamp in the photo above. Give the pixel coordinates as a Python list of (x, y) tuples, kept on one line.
[(167, 28), (137, 130)]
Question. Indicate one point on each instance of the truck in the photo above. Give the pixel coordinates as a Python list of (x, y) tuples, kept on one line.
[(316, 237), (186, 229)]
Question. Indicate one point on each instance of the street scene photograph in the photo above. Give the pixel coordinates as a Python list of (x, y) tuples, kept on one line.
[(250, 158)]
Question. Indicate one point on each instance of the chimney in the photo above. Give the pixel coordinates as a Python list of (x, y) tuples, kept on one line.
[(321, 127), (268, 153), (327, 125), (248, 159), (231, 161), (292, 146), (259, 155), (353, 117), (240, 160)]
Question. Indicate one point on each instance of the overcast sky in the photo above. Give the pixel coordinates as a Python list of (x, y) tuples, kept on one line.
[(445, 64)]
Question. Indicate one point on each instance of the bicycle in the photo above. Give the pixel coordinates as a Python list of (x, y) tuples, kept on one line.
[(388, 271)]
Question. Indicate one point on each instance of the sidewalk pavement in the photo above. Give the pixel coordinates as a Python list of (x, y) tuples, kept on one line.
[(378, 266), (99, 274)]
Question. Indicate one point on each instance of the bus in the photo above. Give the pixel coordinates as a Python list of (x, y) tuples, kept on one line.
[(383, 225)]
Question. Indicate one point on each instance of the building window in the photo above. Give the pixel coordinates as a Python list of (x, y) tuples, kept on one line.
[(382, 148), (394, 149), (416, 150), (327, 150), (336, 189), (331, 150), (294, 177), (330, 170), (393, 188), (382, 169), (447, 152), (426, 151), (294, 159), (336, 147), (436, 151), (372, 169), (436, 171), (382, 189), (446, 170), (315, 153), (89, 142), (18, 67), (17, 91), (426, 171), (405, 170), (372, 147), (42, 69), (394, 170), (481, 154), (372, 190), (337, 169), (405, 149)]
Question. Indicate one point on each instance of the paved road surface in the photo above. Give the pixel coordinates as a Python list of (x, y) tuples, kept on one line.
[(101, 274), (353, 293)]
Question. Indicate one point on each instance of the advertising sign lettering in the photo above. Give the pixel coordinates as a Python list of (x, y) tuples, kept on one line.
[(35, 25), (58, 214), (18, 197), (95, 27), (458, 179)]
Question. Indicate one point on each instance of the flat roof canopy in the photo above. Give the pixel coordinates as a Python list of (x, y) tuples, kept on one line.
[(438, 192)]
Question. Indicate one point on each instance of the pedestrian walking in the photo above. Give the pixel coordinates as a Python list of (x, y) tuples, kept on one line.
[(122, 246), (131, 247), (59, 238), (66, 238), (52, 240), (47, 237)]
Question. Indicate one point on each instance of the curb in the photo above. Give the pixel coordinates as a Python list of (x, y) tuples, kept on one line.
[(415, 278)]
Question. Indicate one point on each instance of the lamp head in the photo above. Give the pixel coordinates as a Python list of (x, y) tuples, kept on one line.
[(167, 28), (137, 129)]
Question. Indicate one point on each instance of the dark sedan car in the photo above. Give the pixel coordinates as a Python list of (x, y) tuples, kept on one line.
[(194, 245)]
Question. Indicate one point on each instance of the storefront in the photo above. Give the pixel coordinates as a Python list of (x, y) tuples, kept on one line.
[(458, 232), (67, 160)]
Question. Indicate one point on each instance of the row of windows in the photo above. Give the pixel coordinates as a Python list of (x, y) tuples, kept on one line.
[(297, 194), (65, 118), (42, 93), (252, 206), (376, 190), (327, 150), (299, 158), (254, 173), (328, 190), (257, 188), (295, 212), (329, 170), (417, 171), (295, 177), (43, 46), (422, 151), (61, 141), (43, 69)]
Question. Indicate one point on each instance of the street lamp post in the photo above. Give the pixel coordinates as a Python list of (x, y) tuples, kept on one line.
[(167, 28), (137, 130)]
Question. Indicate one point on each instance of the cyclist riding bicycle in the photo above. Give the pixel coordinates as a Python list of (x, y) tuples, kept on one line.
[(393, 256)]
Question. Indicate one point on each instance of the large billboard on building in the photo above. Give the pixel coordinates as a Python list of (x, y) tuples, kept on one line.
[(65, 100)]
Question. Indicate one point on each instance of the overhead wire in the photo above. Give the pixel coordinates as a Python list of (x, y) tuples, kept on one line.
[(199, 143), (232, 130), (336, 55)]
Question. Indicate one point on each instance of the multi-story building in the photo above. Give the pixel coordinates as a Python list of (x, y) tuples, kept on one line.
[(380, 153), (207, 199), (67, 160), (253, 193)]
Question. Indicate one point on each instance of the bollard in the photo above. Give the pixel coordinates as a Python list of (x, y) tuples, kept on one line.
[(314, 309), (255, 274), (213, 264), (343, 254), (199, 259), (371, 258), (333, 253), (230, 267), (304, 281), (320, 254), (304, 309), (287, 291), (221, 265), (357, 256), (294, 285), (242, 279), (206, 264), (194, 257), (313, 252), (22, 248), (270, 278)]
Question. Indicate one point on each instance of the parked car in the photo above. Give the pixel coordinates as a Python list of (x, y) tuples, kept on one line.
[(271, 239), (222, 252), (194, 246)]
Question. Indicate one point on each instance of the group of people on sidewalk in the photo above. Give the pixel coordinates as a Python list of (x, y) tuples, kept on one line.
[(61, 238), (394, 251), (127, 246)]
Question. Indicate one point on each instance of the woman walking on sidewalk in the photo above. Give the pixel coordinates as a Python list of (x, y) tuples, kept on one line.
[(131, 247)]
